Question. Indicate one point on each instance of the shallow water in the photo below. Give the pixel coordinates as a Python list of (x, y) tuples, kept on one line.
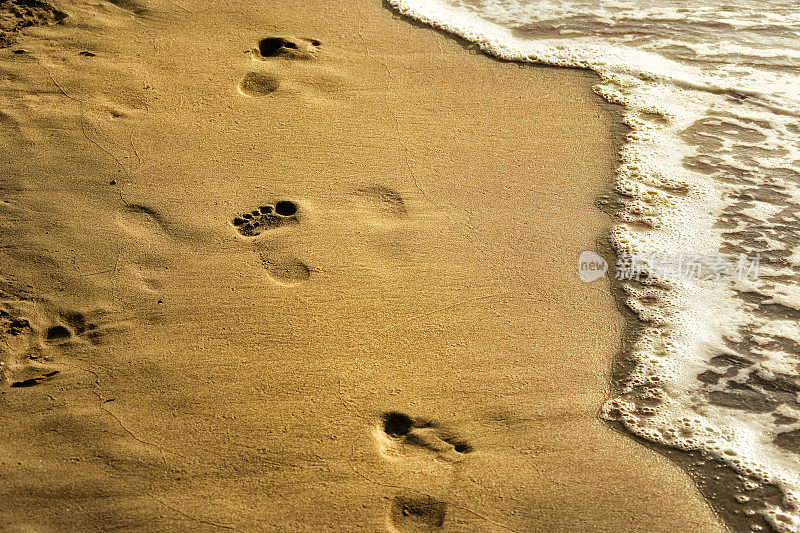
[(709, 222)]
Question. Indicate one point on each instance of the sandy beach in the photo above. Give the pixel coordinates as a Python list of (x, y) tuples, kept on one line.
[(289, 266)]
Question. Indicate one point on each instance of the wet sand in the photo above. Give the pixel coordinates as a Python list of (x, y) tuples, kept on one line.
[(329, 288)]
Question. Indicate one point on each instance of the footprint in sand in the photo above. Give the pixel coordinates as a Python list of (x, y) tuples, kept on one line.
[(419, 446), (256, 84), (92, 326), (376, 205), (148, 238), (142, 222), (19, 14), (26, 360), (17, 367), (407, 434), (36, 336), (411, 512), (268, 216), (286, 48), (283, 268), (384, 201), (296, 67), (280, 264)]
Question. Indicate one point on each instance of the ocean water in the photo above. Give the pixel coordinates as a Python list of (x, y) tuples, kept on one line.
[(707, 209)]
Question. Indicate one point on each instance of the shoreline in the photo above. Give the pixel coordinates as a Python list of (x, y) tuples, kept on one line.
[(712, 478), (429, 273)]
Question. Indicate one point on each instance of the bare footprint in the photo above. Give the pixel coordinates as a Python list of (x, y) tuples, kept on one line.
[(267, 216), (416, 513), (281, 265), (18, 14), (384, 200), (142, 222), (17, 338), (256, 84), (295, 67), (408, 433), (424, 458), (286, 47), (37, 339), (22, 363), (284, 269)]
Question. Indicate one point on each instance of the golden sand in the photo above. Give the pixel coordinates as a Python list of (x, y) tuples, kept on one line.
[(412, 349)]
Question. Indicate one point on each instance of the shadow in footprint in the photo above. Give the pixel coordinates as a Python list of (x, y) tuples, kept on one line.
[(142, 222), (266, 217), (417, 513), (35, 381), (288, 271), (255, 84), (387, 200), (130, 5), (57, 335), (397, 424), (287, 47), (426, 435), (92, 326)]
